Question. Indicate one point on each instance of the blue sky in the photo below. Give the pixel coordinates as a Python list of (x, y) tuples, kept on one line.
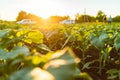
[(9, 9)]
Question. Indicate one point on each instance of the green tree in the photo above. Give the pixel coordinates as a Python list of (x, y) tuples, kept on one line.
[(116, 18), (25, 15), (21, 15), (100, 15), (84, 18), (76, 17)]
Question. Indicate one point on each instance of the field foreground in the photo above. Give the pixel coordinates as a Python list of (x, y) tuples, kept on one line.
[(86, 51)]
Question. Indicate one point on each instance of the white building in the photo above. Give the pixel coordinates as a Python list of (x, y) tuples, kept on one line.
[(26, 21), (67, 22)]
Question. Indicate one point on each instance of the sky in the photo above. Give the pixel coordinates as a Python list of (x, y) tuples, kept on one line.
[(9, 9)]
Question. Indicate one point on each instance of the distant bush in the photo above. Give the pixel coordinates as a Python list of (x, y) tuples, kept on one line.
[(116, 18)]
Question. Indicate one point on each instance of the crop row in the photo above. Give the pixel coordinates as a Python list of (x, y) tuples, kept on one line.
[(25, 51)]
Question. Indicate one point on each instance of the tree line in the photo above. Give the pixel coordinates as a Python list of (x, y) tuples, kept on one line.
[(52, 19), (99, 17), (56, 19)]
